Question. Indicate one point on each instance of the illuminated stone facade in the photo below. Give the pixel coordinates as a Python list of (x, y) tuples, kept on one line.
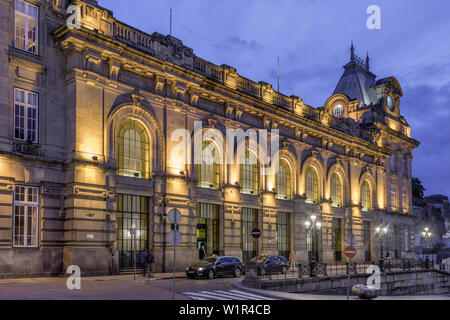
[(95, 82)]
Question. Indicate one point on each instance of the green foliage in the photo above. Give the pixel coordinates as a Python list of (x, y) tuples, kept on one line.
[(417, 192)]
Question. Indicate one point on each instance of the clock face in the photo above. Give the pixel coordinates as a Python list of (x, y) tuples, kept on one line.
[(338, 111), (390, 103)]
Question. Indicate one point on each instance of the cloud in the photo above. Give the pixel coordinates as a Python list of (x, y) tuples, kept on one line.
[(236, 43)]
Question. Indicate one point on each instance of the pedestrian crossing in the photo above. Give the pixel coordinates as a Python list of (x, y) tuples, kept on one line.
[(224, 295)]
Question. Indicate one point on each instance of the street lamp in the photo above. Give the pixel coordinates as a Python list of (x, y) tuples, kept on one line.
[(426, 233), (313, 225), (381, 231)]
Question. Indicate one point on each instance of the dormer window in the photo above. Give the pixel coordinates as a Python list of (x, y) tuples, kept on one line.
[(390, 103), (338, 111)]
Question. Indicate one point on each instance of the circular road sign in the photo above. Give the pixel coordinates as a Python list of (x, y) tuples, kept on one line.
[(350, 252), (174, 215), (256, 233), (174, 237)]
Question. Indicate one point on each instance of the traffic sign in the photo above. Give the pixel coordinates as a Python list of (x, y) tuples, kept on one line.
[(351, 241), (256, 233), (174, 237), (174, 215), (350, 252)]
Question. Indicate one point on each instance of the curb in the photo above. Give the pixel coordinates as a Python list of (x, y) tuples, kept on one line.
[(266, 293), (164, 278)]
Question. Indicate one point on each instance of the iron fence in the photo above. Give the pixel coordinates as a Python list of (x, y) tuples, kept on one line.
[(335, 269)]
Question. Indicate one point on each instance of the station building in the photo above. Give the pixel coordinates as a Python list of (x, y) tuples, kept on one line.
[(87, 119)]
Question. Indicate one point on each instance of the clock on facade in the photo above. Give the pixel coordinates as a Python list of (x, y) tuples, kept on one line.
[(390, 104), (338, 111)]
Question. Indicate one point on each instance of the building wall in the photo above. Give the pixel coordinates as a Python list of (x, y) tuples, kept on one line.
[(87, 87)]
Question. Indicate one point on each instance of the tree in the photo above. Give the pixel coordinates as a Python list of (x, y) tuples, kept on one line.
[(417, 192)]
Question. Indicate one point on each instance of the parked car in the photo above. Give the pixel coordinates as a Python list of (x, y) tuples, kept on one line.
[(271, 264), (212, 267)]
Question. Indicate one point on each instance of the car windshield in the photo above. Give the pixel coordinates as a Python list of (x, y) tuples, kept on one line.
[(208, 260), (260, 259)]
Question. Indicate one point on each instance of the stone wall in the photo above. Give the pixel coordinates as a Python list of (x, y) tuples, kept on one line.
[(392, 284)]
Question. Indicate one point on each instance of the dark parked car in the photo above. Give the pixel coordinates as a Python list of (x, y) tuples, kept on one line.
[(211, 267), (271, 264)]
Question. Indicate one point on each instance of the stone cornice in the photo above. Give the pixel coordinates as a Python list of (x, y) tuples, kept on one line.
[(288, 118)]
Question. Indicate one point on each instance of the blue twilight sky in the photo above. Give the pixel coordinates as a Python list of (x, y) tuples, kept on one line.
[(312, 38)]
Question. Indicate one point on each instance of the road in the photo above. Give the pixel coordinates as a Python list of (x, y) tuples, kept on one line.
[(124, 287)]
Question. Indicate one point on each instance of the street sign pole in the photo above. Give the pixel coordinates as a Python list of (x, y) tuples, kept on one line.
[(174, 238), (134, 255), (174, 260), (350, 252), (348, 279)]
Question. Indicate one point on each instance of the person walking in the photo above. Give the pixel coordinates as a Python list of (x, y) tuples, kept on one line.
[(292, 260), (150, 262), (144, 255)]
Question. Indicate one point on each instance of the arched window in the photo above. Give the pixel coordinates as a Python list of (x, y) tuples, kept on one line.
[(283, 180), (249, 173), (133, 149), (366, 199), (336, 190), (208, 169), (312, 188)]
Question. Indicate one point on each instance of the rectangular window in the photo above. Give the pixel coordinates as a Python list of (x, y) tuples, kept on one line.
[(337, 239), (404, 166), (393, 192), (407, 239), (366, 240), (26, 115), (26, 207), (26, 26), (396, 242), (392, 164), (249, 220), (404, 197), (283, 243)]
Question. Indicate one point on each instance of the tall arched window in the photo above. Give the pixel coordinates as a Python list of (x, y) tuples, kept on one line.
[(336, 190), (249, 173), (283, 180), (312, 188), (208, 169), (133, 149), (366, 199)]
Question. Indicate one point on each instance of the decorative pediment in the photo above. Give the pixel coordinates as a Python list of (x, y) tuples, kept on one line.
[(137, 98), (194, 95), (159, 84)]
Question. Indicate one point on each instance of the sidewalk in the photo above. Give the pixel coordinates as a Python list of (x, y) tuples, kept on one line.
[(115, 287), (128, 276)]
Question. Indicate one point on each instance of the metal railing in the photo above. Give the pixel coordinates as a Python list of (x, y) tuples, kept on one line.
[(342, 268)]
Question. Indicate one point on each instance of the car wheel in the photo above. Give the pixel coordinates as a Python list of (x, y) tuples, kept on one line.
[(262, 271), (284, 270), (211, 274), (237, 272)]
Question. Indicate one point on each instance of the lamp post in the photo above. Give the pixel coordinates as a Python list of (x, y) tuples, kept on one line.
[(381, 231), (313, 226), (426, 234)]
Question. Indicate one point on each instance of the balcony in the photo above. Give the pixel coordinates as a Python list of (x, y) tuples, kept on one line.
[(27, 148)]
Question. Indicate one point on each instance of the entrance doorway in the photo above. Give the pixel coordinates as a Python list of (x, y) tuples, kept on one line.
[(132, 214), (207, 230), (312, 245), (249, 221)]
